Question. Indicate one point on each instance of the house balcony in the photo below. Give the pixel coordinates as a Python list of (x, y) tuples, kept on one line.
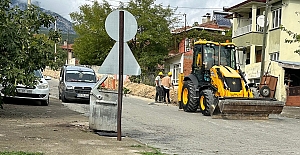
[(248, 35), (247, 29)]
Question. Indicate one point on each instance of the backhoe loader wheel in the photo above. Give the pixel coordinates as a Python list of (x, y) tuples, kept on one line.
[(207, 99), (189, 97)]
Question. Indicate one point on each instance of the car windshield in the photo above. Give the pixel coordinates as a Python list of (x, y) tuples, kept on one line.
[(38, 73), (80, 76)]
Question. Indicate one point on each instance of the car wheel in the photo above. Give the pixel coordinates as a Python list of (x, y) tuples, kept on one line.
[(45, 102), (63, 98), (59, 95)]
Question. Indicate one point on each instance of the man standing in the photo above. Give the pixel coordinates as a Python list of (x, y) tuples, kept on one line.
[(159, 89), (166, 82)]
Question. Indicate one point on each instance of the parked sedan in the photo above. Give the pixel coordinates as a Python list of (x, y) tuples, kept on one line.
[(39, 92)]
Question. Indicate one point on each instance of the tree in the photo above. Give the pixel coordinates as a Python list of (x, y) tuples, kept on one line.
[(149, 46), (22, 48), (93, 43), (151, 43)]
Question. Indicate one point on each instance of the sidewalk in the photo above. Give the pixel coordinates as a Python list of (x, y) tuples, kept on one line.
[(57, 130), (291, 112)]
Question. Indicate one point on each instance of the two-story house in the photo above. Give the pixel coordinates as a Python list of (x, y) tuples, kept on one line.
[(280, 59), (180, 60)]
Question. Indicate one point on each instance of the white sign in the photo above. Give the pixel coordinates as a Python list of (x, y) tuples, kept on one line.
[(112, 25), (111, 62)]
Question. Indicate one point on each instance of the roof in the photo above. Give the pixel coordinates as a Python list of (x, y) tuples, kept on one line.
[(289, 64), (221, 19), (205, 42), (70, 46), (205, 26), (231, 9), (219, 23), (79, 68)]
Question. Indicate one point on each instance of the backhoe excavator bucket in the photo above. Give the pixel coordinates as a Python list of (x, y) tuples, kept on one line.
[(258, 108)]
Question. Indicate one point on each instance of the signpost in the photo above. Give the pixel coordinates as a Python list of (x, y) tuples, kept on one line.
[(120, 26)]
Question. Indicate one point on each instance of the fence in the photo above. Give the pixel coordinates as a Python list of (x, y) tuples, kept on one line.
[(145, 78)]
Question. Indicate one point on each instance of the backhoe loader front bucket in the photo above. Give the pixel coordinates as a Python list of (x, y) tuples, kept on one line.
[(257, 108)]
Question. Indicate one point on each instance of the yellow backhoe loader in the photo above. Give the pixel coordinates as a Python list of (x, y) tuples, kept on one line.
[(217, 86)]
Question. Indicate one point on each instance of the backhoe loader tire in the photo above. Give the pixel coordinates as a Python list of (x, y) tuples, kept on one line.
[(207, 98), (190, 99)]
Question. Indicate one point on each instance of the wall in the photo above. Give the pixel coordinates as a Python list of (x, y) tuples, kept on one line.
[(252, 38), (187, 63), (169, 66), (290, 20), (253, 71)]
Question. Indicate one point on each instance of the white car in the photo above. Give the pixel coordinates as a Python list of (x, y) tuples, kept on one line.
[(39, 92)]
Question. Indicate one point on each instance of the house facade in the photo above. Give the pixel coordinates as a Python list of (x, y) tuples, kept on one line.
[(180, 60), (280, 59), (71, 60)]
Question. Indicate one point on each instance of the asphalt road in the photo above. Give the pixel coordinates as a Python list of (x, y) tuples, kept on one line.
[(178, 132)]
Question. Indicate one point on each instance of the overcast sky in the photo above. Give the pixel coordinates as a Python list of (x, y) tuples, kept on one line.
[(193, 9)]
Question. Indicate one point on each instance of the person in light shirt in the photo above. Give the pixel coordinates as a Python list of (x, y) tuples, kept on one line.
[(158, 86), (167, 84)]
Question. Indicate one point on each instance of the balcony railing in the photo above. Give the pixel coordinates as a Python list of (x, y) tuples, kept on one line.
[(247, 29)]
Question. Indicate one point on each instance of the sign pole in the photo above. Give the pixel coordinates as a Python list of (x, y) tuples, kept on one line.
[(120, 86)]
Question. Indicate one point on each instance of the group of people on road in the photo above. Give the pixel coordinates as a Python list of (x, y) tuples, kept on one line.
[(163, 85)]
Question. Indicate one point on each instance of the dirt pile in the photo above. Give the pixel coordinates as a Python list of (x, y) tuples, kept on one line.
[(51, 73)]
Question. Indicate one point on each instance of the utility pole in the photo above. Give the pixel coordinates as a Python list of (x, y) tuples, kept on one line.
[(262, 71), (29, 3), (55, 43), (184, 32), (68, 47)]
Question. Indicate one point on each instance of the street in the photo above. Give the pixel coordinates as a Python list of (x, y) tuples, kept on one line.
[(178, 132)]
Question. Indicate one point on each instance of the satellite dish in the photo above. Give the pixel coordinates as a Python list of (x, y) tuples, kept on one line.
[(261, 20)]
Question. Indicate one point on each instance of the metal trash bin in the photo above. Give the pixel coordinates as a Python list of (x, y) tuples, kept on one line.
[(103, 109)]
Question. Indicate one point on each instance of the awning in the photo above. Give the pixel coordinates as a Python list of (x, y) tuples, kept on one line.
[(289, 64)]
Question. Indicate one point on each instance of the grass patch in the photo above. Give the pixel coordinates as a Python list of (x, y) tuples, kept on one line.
[(154, 152), (19, 153), (136, 146)]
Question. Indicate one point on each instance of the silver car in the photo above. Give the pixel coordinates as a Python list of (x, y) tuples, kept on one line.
[(76, 83), (39, 92)]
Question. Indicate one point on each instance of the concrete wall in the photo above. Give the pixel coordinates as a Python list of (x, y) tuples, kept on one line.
[(290, 20), (253, 71), (252, 38)]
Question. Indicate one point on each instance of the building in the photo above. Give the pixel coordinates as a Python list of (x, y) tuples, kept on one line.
[(180, 60), (71, 60), (280, 59)]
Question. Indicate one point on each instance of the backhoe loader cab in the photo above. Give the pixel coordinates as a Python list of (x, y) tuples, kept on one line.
[(216, 85), (211, 57)]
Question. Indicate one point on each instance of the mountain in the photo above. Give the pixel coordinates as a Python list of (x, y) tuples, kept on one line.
[(62, 23)]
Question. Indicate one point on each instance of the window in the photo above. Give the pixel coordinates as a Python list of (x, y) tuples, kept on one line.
[(276, 15), (258, 55), (274, 56), (176, 71), (248, 58)]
